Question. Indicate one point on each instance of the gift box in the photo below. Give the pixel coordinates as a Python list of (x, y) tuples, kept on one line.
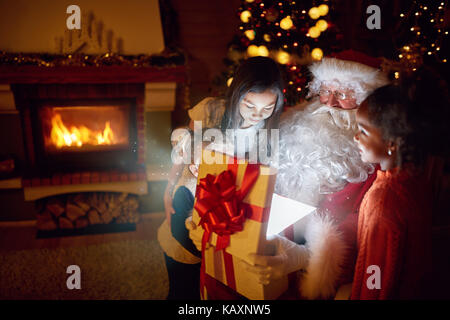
[(232, 205)]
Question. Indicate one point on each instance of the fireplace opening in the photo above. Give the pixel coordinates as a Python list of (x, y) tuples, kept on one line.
[(86, 134), (84, 128)]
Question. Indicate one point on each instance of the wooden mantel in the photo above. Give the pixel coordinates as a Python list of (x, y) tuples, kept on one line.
[(103, 74)]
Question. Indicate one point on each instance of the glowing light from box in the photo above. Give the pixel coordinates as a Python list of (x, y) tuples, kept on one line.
[(285, 212)]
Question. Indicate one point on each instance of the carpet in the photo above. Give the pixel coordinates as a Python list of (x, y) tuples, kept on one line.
[(131, 269)]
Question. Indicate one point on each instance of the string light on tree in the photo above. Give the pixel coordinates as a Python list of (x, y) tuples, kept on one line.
[(314, 32), (426, 36), (286, 31), (317, 54), (323, 9), (245, 16), (314, 13), (286, 23), (250, 34), (283, 57), (322, 25)]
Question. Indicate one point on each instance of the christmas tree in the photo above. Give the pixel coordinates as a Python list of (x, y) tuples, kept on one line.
[(293, 33)]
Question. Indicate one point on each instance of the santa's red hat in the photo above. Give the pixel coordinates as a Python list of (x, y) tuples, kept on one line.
[(359, 57), (348, 70)]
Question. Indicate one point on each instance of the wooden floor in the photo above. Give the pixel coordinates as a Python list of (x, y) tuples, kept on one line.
[(22, 235)]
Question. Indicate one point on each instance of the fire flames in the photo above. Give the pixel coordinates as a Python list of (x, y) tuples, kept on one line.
[(61, 136)]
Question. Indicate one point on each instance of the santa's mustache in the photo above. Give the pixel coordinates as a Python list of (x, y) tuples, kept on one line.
[(342, 118)]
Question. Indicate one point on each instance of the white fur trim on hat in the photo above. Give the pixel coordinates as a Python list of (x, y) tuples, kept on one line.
[(346, 75)]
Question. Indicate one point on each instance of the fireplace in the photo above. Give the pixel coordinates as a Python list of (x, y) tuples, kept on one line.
[(84, 139), (85, 134)]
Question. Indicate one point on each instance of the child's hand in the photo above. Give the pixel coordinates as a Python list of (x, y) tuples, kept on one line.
[(168, 208), (196, 234)]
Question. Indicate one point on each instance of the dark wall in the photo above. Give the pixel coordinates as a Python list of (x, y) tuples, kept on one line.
[(203, 30)]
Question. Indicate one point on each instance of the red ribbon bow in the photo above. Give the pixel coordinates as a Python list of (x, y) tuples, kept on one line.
[(219, 204)]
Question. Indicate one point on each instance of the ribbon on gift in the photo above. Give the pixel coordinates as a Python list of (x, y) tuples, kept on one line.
[(222, 211), (220, 206)]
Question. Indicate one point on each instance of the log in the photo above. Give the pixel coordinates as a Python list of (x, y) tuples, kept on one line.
[(55, 206), (47, 225), (101, 207), (65, 223), (81, 223), (133, 203), (111, 201), (93, 217), (73, 212), (107, 216), (122, 197), (116, 212), (93, 199), (44, 216), (81, 201)]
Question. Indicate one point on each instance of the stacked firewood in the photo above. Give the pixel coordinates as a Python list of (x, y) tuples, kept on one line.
[(84, 209)]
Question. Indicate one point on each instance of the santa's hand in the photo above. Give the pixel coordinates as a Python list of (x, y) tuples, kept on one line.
[(288, 257), (196, 234)]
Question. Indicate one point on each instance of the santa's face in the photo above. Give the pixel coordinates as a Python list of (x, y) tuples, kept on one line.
[(369, 138), (337, 97)]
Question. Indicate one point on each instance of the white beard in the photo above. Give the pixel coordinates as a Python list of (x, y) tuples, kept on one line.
[(317, 153)]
